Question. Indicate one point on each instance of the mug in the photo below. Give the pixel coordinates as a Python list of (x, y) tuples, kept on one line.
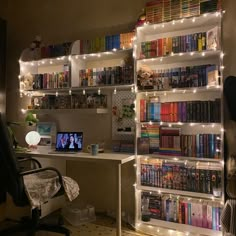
[(93, 148)]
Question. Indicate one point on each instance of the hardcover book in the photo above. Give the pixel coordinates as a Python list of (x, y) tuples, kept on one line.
[(213, 39)]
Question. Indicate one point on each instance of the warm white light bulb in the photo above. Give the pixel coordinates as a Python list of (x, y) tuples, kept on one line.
[(32, 138)]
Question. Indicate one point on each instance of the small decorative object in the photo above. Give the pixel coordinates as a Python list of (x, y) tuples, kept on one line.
[(141, 19), (145, 78), (27, 82), (47, 131), (213, 39), (32, 139), (127, 108), (31, 118)]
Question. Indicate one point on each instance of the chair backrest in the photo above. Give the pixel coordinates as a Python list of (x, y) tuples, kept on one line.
[(10, 179)]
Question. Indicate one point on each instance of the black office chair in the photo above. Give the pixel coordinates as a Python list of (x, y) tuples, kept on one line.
[(12, 182)]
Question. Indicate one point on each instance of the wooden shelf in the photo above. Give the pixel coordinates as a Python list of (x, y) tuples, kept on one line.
[(179, 192), (82, 111)]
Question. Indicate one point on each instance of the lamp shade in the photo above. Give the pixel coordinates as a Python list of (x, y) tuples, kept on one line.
[(32, 138)]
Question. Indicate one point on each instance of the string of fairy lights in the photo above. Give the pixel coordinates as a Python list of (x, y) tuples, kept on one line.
[(25, 67)]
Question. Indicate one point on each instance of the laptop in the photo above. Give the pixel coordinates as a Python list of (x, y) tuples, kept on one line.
[(69, 142)]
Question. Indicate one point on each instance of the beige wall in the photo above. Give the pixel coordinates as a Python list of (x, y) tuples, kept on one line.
[(229, 44), (69, 20)]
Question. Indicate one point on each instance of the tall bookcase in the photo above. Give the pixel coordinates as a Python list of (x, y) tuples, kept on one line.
[(179, 126)]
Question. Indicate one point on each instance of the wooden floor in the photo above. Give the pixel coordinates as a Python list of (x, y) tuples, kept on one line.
[(103, 226)]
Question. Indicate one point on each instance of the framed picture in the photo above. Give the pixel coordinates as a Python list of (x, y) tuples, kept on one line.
[(47, 131)]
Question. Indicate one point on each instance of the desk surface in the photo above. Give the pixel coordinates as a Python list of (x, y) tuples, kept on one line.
[(44, 152)]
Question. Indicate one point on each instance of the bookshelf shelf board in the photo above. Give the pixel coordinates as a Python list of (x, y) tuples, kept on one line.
[(181, 57), (114, 54), (182, 24), (179, 192), (125, 133), (214, 125), (180, 158), (63, 91), (205, 89), (47, 61), (166, 226), (118, 87), (81, 111)]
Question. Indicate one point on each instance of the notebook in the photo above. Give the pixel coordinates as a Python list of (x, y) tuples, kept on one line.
[(70, 142)]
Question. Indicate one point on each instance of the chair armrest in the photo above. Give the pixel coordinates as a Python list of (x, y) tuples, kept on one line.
[(31, 159), (43, 169)]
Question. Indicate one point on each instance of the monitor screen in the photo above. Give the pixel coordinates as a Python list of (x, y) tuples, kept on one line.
[(69, 141)]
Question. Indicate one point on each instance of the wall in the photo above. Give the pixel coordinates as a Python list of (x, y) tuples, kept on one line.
[(59, 21), (229, 37), (68, 20)]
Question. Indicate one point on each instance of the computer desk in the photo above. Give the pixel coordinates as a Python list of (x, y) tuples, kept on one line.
[(117, 158)]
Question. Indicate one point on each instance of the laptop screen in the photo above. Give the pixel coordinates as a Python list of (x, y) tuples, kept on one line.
[(69, 141)]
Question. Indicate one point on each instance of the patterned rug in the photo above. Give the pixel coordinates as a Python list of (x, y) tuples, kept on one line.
[(102, 226)]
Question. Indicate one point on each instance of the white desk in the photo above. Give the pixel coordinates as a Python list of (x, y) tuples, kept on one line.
[(117, 158)]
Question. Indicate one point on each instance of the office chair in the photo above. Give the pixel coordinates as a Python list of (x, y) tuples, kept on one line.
[(12, 182)]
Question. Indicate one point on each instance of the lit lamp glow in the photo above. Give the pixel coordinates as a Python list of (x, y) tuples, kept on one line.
[(32, 138)]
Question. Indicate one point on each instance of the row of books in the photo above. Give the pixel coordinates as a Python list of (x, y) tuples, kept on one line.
[(169, 141), (106, 76), (157, 173), (50, 51), (200, 145), (182, 77), (165, 10), (180, 44), (106, 43), (51, 80), (181, 111), (73, 101), (204, 214), (123, 146)]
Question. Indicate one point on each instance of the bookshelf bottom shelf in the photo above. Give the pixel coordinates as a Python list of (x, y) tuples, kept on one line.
[(165, 228)]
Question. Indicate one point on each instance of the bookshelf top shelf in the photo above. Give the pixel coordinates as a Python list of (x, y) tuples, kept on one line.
[(45, 61), (114, 54), (208, 19)]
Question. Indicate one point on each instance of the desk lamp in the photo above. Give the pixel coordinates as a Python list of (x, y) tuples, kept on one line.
[(30, 120), (32, 138)]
